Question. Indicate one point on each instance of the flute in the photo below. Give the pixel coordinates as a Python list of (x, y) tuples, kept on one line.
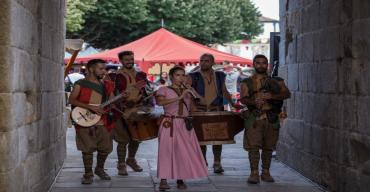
[(195, 97)]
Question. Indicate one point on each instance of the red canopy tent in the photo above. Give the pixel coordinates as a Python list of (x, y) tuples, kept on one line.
[(162, 46)]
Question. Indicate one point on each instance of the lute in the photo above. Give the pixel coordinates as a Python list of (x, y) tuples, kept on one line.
[(86, 118)]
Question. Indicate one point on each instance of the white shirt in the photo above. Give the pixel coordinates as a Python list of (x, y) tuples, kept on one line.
[(231, 81)]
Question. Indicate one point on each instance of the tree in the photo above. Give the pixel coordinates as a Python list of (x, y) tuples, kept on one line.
[(116, 22), (113, 22), (250, 15), (75, 13)]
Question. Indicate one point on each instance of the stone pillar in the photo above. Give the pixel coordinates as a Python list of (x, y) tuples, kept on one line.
[(325, 57), (32, 130)]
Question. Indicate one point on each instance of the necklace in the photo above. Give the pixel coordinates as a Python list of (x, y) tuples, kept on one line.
[(209, 81)]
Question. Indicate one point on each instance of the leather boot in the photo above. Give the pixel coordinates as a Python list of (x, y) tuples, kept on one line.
[(265, 176), (122, 169), (254, 158), (266, 163), (88, 177), (254, 178), (133, 164)]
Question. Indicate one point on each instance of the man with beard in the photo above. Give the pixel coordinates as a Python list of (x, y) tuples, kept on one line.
[(211, 86), (125, 79), (92, 90), (262, 125)]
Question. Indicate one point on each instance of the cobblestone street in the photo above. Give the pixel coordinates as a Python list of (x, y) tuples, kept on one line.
[(234, 178)]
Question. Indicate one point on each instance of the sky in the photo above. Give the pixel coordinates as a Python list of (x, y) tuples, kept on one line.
[(268, 8)]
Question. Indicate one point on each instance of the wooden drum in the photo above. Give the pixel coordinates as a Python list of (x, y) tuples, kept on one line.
[(143, 125), (218, 127)]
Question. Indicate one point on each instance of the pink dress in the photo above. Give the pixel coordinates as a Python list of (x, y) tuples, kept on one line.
[(179, 156)]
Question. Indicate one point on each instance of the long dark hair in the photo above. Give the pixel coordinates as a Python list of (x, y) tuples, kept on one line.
[(173, 70)]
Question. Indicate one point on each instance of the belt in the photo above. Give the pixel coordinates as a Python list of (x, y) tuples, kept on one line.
[(260, 114), (172, 117)]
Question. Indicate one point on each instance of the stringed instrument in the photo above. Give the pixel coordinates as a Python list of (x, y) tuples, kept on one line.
[(86, 118)]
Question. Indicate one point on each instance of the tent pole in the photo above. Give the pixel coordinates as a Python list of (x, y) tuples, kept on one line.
[(70, 62), (160, 69)]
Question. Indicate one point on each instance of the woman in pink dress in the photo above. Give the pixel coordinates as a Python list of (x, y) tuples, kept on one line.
[(179, 154)]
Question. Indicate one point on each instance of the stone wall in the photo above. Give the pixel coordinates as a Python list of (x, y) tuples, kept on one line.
[(325, 54), (32, 133)]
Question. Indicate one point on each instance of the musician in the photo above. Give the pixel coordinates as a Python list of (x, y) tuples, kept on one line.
[(179, 154), (210, 85), (92, 90), (262, 125), (123, 79)]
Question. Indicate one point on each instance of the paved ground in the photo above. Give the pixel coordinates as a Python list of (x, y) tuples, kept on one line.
[(234, 179)]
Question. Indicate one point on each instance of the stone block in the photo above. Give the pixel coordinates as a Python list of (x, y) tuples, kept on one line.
[(46, 43), (337, 145), (305, 46), (303, 78), (292, 5), (359, 150), (17, 175), (364, 183), (331, 43), (316, 46), (5, 69), (328, 76), (293, 77), (23, 21), (22, 143), (363, 115), (360, 9), (348, 77), (5, 23), (44, 133), (311, 17), (33, 166), (307, 137), (361, 38), (298, 105), (295, 132), (349, 113), (290, 106), (325, 110), (361, 76), (293, 25), (291, 48), (33, 140), (312, 74), (332, 8), (350, 180), (283, 72), (9, 147), (5, 114), (310, 166), (318, 140)]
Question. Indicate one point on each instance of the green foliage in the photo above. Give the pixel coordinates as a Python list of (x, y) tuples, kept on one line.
[(116, 22), (75, 13)]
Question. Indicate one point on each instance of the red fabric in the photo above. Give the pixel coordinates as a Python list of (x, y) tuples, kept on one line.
[(121, 83), (84, 97), (85, 94), (162, 46), (109, 88)]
